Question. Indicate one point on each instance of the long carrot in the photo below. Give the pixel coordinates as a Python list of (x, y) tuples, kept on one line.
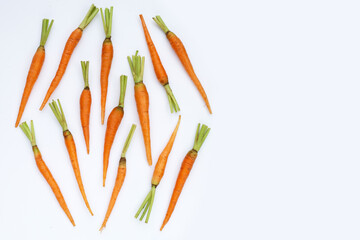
[(186, 166), (112, 126), (71, 148), (120, 177), (44, 170), (35, 68), (159, 69), (180, 51), (70, 45), (157, 176), (137, 64), (106, 58), (85, 104)]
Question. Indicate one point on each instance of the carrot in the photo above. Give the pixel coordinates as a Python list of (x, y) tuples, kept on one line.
[(85, 104), (35, 68), (159, 69), (185, 169), (157, 176), (71, 148), (112, 126), (44, 170), (120, 177), (70, 45), (137, 64), (180, 51), (106, 58)]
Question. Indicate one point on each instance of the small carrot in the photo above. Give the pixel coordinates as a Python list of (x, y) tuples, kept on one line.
[(159, 69), (186, 166), (85, 104), (157, 176), (106, 58), (137, 64), (44, 170), (112, 126), (180, 51), (35, 67), (71, 148), (70, 45), (120, 177)]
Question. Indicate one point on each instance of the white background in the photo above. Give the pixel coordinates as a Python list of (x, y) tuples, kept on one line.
[(281, 160)]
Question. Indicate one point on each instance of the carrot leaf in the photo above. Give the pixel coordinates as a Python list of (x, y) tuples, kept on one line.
[(85, 72), (123, 82), (89, 16), (201, 134), (107, 21), (172, 101), (29, 132), (128, 140), (59, 114), (161, 24), (45, 30), (137, 64)]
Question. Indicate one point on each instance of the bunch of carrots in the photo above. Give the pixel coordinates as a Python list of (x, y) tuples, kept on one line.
[(114, 119)]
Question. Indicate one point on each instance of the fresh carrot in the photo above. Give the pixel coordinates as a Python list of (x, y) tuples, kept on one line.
[(112, 126), (106, 58), (186, 166), (44, 170), (35, 68), (137, 64), (71, 148), (157, 176), (159, 69), (85, 104), (120, 177), (180, 51), (70, 45)]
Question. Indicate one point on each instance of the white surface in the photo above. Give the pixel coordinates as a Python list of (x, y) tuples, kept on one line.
[(281, 160)]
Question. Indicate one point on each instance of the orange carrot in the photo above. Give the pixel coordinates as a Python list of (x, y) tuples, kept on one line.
[(70, 45), (112, 126), (185, 169), (159, 69), (180, 51), (71, 148), (106, 58), (85, 104), (157, 176), (121, 173), (35, 68), (44, 170), (137, 64)]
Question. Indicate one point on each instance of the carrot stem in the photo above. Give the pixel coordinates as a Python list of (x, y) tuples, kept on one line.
[(201, 134), (85, 72), (107, 21), (45, 31), (143, 204), (128, 140), (151, 203), (161, 24), (137, 64), (146, 208), (172, 101), (59, 114), (29, 132), (89, 16), (123, 83)]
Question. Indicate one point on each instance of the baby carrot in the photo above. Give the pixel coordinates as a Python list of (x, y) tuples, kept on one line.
[(44, 170), (85, 104), (35, 67), (120, 177)]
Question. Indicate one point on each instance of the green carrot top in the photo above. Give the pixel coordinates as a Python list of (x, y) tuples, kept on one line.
[(59, 114), (45, 30), (123, 82), (107, 21), (161, 24), (128, 140), (137, 64), (89, 16), (85, 72), (29, 132), (201, 134)]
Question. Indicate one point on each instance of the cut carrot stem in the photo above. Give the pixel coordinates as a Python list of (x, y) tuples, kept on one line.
[(71, 147), (85, 105), (180, 51), (44, 170), (35, 68)]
